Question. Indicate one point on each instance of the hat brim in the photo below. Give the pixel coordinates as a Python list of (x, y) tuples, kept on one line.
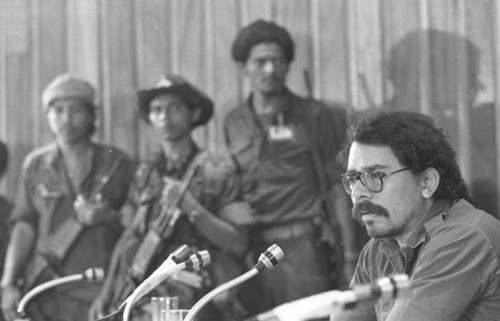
[(193, 98)]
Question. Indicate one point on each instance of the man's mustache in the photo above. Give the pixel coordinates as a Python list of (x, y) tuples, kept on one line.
[(367, 207)]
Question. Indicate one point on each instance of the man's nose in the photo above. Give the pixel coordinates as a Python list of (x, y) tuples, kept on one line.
[(269, 66), (162, 115), (65, 116), (359, 191)]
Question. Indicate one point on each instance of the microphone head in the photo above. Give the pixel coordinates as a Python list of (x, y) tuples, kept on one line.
[(94, 274), (198, 260), (270, 258), (393, 286), (181, 254)]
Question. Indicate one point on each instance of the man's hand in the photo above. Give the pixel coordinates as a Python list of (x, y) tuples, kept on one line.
[(93, 212), (97, 308), (11, 295)]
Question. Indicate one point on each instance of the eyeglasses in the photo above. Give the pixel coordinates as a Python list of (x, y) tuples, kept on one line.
[(372, 180)]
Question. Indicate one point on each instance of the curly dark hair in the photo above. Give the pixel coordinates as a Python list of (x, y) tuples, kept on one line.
[(416, 142)]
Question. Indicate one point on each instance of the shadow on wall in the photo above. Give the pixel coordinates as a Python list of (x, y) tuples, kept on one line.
[(442, 69)]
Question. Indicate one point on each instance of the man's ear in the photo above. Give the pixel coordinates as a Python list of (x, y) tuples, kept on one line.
[(429, 180)]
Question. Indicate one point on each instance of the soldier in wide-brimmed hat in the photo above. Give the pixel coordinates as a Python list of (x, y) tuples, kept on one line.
[(210, 211), (177, 86)]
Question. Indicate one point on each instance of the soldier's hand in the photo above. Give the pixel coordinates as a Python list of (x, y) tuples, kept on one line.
[(11, 295), (97, 308), (93, 212)]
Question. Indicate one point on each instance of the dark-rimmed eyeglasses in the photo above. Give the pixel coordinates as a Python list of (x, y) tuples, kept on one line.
[(372, 180)]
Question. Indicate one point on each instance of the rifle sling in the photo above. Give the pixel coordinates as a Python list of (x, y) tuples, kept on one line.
[(155, 234)]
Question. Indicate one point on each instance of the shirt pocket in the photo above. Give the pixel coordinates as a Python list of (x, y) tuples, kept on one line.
[(46, 198), (245, 150)]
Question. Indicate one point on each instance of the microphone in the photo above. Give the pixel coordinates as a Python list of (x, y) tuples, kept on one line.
[(180, 254), (267, 260), (90, 275), (195, 262), (321, 305)]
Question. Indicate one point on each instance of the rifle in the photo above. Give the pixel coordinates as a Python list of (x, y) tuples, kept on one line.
[(161, 229), (57, 245)]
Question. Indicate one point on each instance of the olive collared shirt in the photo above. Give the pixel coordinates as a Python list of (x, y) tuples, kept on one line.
[(45, 200), (278, 176), (453, 264)]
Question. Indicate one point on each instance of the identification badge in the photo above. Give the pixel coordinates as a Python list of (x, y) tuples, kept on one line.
[(280, 133)]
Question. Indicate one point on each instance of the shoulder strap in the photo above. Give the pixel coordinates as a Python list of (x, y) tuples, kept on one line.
[(162, 227), (198, 159)]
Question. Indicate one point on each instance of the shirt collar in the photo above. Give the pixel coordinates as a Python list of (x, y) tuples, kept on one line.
[(54, 155), (420, 234), (283, 108)]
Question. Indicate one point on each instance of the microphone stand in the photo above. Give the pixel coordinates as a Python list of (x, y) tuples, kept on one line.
[(321, 305), (91, 275), (267, 260), (196, 261), (224, 287), (129, 303)]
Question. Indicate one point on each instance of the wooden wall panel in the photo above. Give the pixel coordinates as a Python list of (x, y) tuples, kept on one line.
[(331, 68), (398, 19), (19, 85), (225, 82), (439, 57), (152, 52), (118, 78), (50, 41)]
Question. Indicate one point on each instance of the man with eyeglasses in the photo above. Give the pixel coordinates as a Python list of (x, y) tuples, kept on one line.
[(408, 191), (284, 147)]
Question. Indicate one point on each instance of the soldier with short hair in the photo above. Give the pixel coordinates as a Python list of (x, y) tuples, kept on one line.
[(66, 217), (284, 146)]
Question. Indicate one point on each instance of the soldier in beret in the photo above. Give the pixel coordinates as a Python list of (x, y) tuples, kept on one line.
[(209, 218), (66, 215), (284, 147)]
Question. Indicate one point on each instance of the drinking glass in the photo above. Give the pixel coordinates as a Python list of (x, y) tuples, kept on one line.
[(162, 303), (174, 315)]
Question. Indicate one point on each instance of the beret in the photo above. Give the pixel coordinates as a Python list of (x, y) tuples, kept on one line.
[(258, 32), (67, 86), (178, 86)]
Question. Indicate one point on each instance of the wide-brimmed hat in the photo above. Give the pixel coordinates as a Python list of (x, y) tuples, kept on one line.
[(176, 85)]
